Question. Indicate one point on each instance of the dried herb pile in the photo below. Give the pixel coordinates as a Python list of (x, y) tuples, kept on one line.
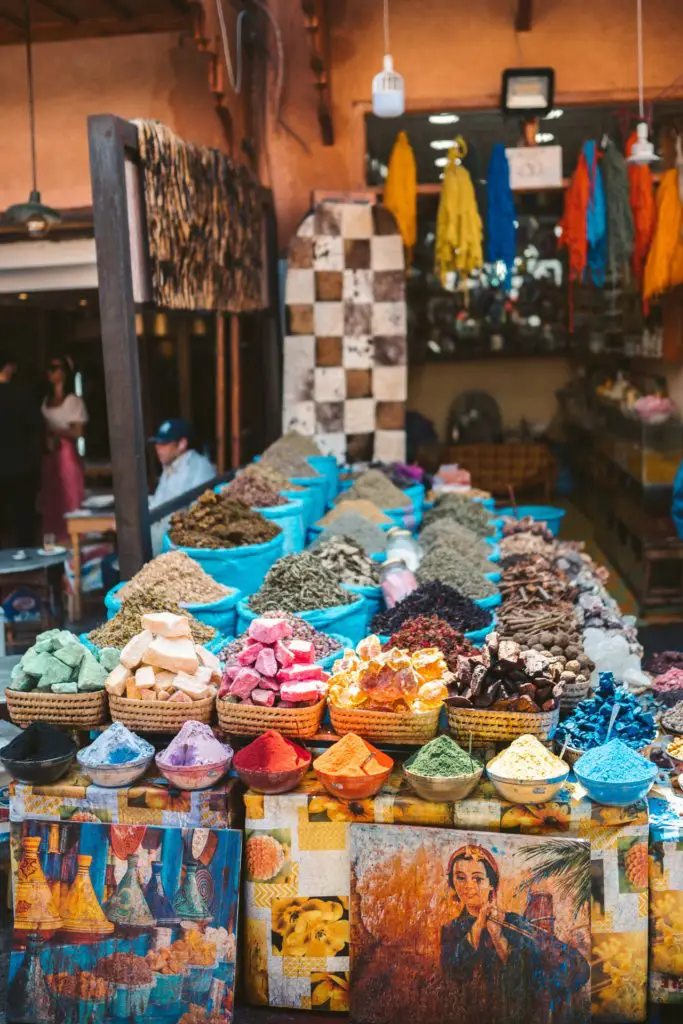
[(254, 491), (299, 583), (431, 631), (376, 487), (462, 510), (371, 537), (347, 562), (444, 564), (361, 506), (289, 453), (179, 577), (433, 599), (126, 623), (216, 521)]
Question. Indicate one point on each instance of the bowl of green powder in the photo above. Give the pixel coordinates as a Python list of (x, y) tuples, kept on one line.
[(442, 772)]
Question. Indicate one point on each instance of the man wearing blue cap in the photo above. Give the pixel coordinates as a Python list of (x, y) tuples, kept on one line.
[(182, 468)]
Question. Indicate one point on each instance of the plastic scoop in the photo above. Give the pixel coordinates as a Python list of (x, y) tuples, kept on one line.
[(613, 718)]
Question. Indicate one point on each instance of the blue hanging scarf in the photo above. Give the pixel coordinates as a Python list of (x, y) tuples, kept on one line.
[(501, 239), (596, 219)]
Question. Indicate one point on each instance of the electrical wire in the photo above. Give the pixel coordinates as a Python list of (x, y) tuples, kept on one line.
[(280, 69), (386, 26), (31, 99), (641, 100), (235, 79)]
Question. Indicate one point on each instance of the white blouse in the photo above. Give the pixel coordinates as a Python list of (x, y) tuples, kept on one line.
[(59, 417)]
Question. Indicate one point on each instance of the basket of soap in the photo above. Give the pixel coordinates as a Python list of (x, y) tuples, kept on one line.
[(391, 696), (59, 680), (272, 683), (163, 678)]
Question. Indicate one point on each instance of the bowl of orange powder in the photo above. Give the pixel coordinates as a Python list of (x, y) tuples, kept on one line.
[(353, 769), (272, 763)]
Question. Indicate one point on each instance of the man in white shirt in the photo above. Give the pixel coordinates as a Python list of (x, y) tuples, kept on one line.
[(182, 468)]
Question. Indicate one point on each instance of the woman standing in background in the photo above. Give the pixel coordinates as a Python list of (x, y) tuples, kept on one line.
[(65, 416)]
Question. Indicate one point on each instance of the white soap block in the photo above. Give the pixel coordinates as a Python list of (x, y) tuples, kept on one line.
[(173, 654), (166, 624), (144, 678), (134, 651), (115, 683)]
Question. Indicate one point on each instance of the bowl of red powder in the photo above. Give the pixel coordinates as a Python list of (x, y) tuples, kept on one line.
[(272, 763)]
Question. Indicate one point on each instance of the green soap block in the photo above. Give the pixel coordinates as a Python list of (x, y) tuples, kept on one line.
[(42, 684), (56, 672), (65, 688), (65, 639), (109, 658), (35, 663), (21, 681), (17, 670), (91, 675), (71, 655), (49, 634), (43, 646)]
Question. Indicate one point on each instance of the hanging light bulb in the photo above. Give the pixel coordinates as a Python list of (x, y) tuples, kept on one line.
[(388, 88), (33, 216), (642, 150)]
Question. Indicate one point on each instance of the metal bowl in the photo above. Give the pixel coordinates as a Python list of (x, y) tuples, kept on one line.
[(444, 788), (525, 791)]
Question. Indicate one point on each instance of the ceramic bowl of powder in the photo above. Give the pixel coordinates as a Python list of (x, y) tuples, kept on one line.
[(526, 772), (272, 764), (615, 775), (353, 769), (442, 771), (194, 759)]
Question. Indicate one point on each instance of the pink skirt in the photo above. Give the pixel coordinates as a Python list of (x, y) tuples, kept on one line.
[(63, 487)]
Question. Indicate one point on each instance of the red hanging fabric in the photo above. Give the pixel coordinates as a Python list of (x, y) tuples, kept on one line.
[(573, 224)]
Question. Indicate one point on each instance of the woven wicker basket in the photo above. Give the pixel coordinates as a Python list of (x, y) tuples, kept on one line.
[(573, 694), (499, 726), (159, 716), (75, 709), (250, 720), (411, 728)]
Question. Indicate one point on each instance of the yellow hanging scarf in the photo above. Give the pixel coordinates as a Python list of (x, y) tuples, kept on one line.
[(400, 190), (664, 266), (459, 229)]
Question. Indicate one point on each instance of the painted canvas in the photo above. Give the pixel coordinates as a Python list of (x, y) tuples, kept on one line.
[(117, 923), (468, 927)]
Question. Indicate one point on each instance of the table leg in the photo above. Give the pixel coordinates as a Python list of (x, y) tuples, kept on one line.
[(55, 575), (76, 565)]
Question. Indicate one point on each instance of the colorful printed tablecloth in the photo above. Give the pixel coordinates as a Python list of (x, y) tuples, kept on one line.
[(297, 883), (666, 895), (150, 801)]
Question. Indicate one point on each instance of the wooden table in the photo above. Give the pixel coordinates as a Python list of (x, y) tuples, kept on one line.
[(44, 573), (78, 524)]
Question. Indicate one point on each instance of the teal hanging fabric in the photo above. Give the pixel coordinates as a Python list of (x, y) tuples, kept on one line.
[(596, 218), (501, 237)]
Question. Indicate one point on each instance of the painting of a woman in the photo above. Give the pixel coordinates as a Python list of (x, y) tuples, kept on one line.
[(500, 962)]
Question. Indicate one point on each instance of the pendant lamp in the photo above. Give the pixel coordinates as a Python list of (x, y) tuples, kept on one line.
[(642, 150), (33, 216), (388, 89)]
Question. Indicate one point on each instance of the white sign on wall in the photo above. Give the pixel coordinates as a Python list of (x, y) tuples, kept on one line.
[(535, 167)]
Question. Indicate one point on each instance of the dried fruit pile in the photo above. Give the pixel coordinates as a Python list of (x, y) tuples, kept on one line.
[(274, 670), (505, 677)]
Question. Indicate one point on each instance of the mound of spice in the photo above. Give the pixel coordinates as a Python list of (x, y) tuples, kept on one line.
[(525, 544), (392, 680), (443, 758), (179, 577), (434, 598), (125, 969), (376, 487), (121, 629), (289, 454), (371, 537), (615, 762), (673, 719), (441, 563), (346, 561), (216, 521), (527, 760), (262, 471), (38, 742), (116, 745), (271, 752), (195, 744), (367, 509), (675, 749), (663, 661), (350, 757), (254, 491), (323, 644), (463, 510), (82, 986), (431, 631), (299, 583), (461, 538)]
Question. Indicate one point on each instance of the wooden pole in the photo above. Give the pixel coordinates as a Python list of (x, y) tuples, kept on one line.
[(235, 394), (109, 138), (220, 392), (184, 368)]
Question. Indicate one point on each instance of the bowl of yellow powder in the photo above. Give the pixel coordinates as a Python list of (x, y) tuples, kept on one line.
[(526, 772)]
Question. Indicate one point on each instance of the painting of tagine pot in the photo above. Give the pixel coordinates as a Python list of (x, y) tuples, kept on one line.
[(451, 926), (125, 924)]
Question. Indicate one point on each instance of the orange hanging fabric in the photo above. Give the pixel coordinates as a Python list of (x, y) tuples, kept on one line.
[(642, 201), (574, 235), (664, 266)]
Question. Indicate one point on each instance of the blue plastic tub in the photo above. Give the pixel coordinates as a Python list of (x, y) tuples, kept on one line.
[(327, 466), (548, 514), (289, 517), (317, 485), (345, 619), (495, 553), (616, 794), (222, 614), (306, 498), (488, 503), (478, 636), (494, 577), (315, 530), (489, 602), (405, 516), (243, 568), (416, 493), (374, 600)]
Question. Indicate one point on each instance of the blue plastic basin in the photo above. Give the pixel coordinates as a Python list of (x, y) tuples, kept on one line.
[(616, 794), (489, 602), (548, 514)]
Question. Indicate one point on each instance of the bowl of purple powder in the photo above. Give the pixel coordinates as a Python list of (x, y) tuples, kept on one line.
[(194, 759)]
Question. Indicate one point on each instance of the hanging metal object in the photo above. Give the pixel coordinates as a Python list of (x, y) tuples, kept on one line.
[(34, 216)]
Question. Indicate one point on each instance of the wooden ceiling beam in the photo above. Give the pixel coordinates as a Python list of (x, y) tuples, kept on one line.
[(60, 11), (524, 16), (122, 10), (317, 23), (12, 20)]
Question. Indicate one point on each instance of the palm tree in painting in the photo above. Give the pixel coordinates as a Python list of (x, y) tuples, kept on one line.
[(563, 860)]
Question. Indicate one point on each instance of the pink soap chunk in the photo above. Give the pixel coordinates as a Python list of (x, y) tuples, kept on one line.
[(245, 682), (269, 683), (264, 698), (266, 663), (232, 671), (267, 631), (299, 691), (225, 688), (299, 673), (303, 651), (283, 654), (249, 654)]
